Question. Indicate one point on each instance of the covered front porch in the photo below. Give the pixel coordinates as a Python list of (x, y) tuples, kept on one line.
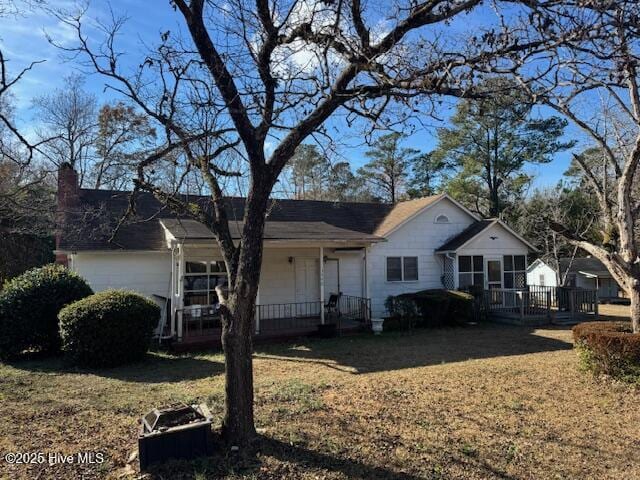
[(303, 285)]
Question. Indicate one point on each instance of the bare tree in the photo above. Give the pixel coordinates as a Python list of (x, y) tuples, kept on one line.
[(275, 72), (594, 83), (123, 137), (68, 118), (12, 141), (563, 204)]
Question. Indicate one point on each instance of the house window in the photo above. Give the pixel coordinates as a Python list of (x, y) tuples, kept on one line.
[(515, 275), (470, 271), (200, 281), (541, 280), (402, 269), (442, 219)]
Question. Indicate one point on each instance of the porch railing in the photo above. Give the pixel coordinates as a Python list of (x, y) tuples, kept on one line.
[(569, 299), (517, 302), (536, 301), (295, 318)]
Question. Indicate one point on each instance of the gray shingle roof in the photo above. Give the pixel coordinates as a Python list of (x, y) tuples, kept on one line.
[(100, 210), (184, 229)]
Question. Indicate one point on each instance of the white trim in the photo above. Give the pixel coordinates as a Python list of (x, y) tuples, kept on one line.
[(109, 252)]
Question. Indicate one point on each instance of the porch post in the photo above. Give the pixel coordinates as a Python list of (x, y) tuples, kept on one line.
[(180, 296), (322, 285), (258, 312)]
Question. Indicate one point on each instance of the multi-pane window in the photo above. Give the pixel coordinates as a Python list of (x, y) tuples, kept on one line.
[(470, 271), (515, 271), (200, 281), (402, 269)]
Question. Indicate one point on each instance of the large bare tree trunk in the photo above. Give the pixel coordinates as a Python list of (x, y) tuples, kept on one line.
[(238, 426), (635, 308), (238, 314)]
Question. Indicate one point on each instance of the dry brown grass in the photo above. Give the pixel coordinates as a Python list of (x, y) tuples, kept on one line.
[(474, 403)]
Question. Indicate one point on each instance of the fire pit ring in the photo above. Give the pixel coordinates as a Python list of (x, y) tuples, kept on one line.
[(175, 432)]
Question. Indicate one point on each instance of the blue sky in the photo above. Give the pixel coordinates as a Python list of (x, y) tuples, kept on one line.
[(24, 40)]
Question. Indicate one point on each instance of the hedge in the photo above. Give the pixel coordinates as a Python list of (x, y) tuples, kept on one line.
[(29, 306), (431, 308), (609, 348), (107, 329)]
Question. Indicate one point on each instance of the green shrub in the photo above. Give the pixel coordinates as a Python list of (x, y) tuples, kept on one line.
[(432, 308), (609, 348), (29, 306), (107, 329)]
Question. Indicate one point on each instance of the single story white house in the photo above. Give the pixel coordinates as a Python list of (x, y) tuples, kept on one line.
[(582, 272), (359, 252)]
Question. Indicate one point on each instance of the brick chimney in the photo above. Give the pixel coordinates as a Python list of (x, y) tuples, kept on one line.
[(68, 199)]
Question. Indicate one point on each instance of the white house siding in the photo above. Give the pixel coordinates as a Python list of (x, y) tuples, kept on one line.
[(539, 272), (351, 271), (147, 273), (418, 237), (278, 275), (495, 240)]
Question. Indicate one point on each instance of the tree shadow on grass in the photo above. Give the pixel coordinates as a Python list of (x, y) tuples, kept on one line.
[(291, 462), (154, 368), (416, 348)]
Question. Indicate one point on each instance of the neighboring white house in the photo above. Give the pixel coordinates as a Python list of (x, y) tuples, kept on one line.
[(581, 272), (312, 249)]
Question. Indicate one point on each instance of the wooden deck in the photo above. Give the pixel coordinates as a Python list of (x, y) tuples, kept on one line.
[(535, 305)]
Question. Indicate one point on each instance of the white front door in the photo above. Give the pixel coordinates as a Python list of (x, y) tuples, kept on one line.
[(307, 280)]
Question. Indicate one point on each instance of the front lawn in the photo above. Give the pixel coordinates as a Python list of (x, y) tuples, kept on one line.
[(468, 403)]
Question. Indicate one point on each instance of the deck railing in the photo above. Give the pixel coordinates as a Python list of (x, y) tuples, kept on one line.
[(539, 302), (518, 302), (276, 318), (569, 299)]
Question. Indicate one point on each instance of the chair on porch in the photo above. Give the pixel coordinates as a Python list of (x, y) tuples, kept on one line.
[(332, 308)]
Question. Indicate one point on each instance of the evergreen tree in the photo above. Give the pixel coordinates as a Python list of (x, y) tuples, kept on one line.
[(388, 169), (489, 143)]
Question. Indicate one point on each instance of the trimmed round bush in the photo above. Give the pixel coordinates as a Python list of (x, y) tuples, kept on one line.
[(107, 329), (609, 348), (29, 306), (431, 308)]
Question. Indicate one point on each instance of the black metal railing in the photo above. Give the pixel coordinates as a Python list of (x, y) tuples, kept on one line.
[(278, 317), (296, 318), (197, 321), (351, 307)]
